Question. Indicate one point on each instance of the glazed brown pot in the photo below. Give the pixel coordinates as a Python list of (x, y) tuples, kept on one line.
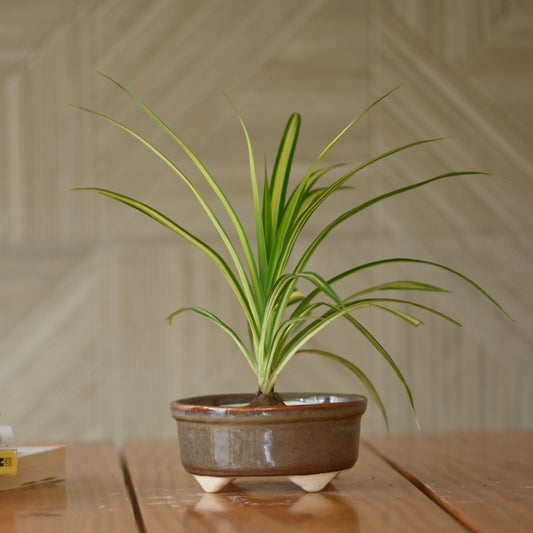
[(314, 433)]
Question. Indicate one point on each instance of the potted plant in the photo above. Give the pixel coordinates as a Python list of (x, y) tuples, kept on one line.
[(309, 437)]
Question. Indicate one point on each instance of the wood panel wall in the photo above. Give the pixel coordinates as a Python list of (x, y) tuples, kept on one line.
[(85, 284)]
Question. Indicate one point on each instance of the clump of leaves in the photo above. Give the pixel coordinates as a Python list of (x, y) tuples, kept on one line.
[(281, 320)]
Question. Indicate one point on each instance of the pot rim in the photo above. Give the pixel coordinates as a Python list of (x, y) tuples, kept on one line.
[(227, 405)]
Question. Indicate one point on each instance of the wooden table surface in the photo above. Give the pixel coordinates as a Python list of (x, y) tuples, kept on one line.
[(404, 483), (471, 482), (371, 497), (93, 498), (485, 480)]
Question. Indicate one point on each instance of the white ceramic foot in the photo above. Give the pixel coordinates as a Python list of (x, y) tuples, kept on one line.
[(314, 482), (213, 484)]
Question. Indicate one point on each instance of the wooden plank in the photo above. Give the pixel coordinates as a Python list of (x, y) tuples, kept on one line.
[(370, 497), (93, 498), (483, 479)]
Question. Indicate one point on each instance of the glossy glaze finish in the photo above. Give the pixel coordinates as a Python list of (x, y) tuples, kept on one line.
[(315, 433)]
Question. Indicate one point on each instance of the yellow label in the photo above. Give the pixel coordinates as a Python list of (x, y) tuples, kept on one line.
[(8, 462)]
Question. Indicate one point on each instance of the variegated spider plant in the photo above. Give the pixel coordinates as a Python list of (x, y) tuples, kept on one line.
[(280, 319)]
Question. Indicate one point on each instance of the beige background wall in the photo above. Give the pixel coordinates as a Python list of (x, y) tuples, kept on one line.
[(85, 284)]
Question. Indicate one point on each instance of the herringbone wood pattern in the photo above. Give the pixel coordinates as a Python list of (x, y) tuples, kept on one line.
[(85, 284)]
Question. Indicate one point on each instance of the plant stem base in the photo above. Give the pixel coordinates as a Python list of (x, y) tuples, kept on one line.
[(309, 483)]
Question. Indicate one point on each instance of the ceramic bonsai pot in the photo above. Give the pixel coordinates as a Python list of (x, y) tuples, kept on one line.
[(310, 439)]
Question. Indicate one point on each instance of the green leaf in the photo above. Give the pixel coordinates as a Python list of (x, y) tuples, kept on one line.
[(377, 302), (299, 339), (282, 167), (359, 373), (212, 182), (332, 144), (308, 192), (275, 309), (311, 330), (223, 326), (291, 228), (262, 252), (400, 285), (381, 350), (189, 237), (323, 234), (286, 235), (295, 297), (405, 316), (392, 260), (218, 226)]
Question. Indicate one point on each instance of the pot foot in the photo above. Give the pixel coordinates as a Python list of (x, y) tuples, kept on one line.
[(213, 484), (309, 482), (314, 482)]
